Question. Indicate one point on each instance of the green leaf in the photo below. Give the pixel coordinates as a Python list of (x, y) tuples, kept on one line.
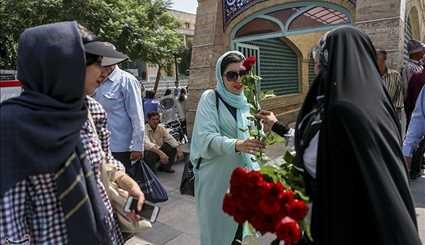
[(289, 158), (272, 138)]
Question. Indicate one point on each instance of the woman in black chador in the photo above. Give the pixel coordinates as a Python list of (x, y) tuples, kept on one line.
[(348, 145)]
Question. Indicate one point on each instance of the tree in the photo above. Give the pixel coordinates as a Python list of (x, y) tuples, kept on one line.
[(140, 28), (162, 40)]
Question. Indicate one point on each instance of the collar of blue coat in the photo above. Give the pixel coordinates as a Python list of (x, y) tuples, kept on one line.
[(238, 101)]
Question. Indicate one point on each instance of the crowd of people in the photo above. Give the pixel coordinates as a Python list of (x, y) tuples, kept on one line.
[(77, 112), (356, 134)]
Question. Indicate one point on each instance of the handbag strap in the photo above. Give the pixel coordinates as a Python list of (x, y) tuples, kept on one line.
[(109, 170), (217, 97), (93, 126)]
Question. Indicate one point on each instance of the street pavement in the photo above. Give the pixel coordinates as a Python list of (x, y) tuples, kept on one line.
[(177, 223)]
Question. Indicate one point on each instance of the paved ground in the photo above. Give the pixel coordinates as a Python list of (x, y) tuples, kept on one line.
[(177, 223)]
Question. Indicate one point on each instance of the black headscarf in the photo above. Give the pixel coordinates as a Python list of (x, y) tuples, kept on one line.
[(40, 129), (362, 194)]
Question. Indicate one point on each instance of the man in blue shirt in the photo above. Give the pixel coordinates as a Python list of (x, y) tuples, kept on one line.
[(416, 130), (120, 96), (151, 104)]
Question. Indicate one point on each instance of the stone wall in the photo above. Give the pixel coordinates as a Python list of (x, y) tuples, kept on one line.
[(383, 21), (185, 18)]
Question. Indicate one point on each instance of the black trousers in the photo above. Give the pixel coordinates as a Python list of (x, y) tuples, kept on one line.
[(124, 158), (151, 158)]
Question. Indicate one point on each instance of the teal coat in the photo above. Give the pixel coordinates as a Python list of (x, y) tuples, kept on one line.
[(213, 139)]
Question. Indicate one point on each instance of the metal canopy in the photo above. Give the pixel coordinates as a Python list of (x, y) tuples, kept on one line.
[(292, 19)]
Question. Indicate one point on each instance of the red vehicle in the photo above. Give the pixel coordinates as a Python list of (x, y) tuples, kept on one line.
[(9, 89)]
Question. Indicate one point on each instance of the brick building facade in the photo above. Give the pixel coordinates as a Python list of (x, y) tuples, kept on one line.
[(281, 33)]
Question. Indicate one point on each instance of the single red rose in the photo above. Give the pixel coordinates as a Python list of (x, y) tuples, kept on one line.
[(278, 187), (297, 209), (262, 223), (238, 181), (241, 214), (288, 230), (229, 204), (253, 185), (249, 61), (270, 199), (255, 177), (286, 196)]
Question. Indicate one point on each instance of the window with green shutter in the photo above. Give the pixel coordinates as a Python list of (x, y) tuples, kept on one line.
[(311, 74), (278, 66)]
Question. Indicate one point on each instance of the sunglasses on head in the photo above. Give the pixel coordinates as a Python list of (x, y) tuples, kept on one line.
[(234, 75)]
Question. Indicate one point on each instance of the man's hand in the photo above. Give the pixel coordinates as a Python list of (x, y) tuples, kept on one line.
[(268, 119), (136, 155), (179, 153)]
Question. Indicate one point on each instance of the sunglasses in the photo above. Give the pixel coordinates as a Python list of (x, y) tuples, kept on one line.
[(234, 75)]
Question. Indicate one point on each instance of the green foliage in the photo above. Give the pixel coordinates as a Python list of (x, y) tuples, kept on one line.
[(140, 28), (288, 175)]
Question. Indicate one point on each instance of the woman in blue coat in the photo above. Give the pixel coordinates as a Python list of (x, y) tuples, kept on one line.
[(219, 144)]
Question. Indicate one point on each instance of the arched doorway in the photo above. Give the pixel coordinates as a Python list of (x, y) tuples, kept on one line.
[(267, 35), (411, 29)]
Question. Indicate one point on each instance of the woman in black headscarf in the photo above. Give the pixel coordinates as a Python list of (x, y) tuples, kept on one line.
[(50, 188), (358, 181)]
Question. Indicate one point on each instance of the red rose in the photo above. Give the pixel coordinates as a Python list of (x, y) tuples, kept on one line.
[(270, 199), (241, 214), (263, 223), (297, 209), (229, 204), (286, 196), (288, 230), (248, 62), (253, 186), (238, 181)]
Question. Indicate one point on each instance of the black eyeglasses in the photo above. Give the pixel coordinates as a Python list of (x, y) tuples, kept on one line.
[(234, 75)]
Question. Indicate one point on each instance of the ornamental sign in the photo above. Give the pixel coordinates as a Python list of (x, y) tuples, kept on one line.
[(232, 8)]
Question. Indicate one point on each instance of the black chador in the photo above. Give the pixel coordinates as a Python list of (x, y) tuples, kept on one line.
[(361, 192)]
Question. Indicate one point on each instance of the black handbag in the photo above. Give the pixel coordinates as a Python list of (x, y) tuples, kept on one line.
[(152, 188), (187, 184)]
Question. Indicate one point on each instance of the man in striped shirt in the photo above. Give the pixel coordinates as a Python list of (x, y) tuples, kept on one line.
[(394, 86), (415, 64)]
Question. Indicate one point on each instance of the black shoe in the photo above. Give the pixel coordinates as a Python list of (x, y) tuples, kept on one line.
[(166, 170)]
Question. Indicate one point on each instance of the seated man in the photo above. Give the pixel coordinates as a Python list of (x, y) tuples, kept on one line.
[(160, 145)]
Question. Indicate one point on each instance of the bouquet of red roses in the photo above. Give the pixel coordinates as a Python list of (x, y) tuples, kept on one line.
[(267, 205)]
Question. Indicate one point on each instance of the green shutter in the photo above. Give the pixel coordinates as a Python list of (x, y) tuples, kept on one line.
[(278, 66), (311, 74)]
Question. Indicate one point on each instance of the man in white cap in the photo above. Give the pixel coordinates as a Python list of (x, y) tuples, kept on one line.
[(120, 96), (416, 50)]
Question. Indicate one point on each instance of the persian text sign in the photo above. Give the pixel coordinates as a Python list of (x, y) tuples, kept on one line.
[(232, 8)]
